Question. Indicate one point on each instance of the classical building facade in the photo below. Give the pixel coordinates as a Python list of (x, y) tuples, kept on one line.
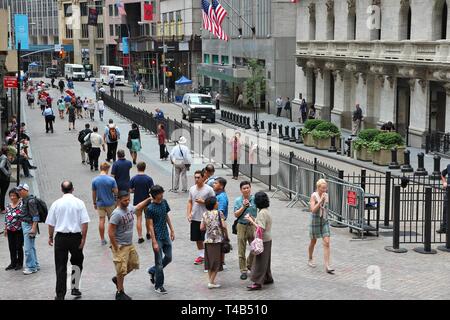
[(390, 56)]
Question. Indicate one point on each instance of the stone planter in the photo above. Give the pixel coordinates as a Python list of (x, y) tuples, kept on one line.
[(384, 158), (363, 154), (325, 144), (308, 140)]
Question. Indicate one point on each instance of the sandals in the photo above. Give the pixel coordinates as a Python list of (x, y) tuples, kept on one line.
[(311, 263), (329, 270)]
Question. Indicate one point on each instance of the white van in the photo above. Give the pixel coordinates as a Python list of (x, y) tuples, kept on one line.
[(106, 72), (74, 71), (198, 106)]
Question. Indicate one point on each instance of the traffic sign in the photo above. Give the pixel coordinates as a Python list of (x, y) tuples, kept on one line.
[(351, 198), (10, 82)]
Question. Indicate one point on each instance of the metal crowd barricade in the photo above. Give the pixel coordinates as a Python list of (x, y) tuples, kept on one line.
[(306, 185), (287, 180)]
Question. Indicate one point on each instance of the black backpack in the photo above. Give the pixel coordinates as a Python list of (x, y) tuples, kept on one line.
[(82, 135), (42, 208)]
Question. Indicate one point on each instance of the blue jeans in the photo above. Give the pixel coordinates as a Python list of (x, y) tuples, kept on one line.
[(31, 261), (165, 246)]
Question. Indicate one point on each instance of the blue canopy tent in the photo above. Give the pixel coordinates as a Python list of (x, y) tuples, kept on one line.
[(182, 86)]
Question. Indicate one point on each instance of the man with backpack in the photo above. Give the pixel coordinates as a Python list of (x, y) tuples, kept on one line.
[(34, 210), (111, 138), (83, 148)]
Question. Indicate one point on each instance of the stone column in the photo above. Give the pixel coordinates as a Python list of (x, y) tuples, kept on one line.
[(447, 107), (76, 27), (323, 93), (340, 91), (419, 113), (388, 85), (301, 87)]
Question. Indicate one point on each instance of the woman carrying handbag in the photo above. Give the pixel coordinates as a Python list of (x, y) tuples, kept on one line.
[(261, 273)]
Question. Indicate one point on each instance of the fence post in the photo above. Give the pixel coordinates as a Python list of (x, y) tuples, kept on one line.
[(427, 143), (280, 131), (349, 150), (224, 149), (251, 166), (421, 167), (436, 175), (332, 148), (426, 249), (340, 199), (269, 129), (387, 202), (315, 165), (292, 139), (396, 236), (300, 138), (286, 133), (121, 95), (262, 126), (446, 247), (363, 179), (291, 157), (407, 166), (394, 163), (269, 153)]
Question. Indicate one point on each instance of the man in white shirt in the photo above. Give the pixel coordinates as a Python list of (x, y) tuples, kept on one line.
[(101, 108), (68, 217), (180, 156)]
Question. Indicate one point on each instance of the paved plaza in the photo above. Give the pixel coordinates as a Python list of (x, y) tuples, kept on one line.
[(364, 270)]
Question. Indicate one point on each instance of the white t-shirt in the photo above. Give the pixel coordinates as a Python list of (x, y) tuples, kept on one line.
[(101, 105), (67, 214)]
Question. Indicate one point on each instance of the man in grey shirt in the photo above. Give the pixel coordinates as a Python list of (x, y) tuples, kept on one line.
[(120, 233), (195, 209)]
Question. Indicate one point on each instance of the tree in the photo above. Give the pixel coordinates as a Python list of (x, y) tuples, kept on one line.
[(255, 85)]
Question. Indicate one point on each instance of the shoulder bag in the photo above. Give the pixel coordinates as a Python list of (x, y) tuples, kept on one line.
[(225, 245), (257, 245), (234, 227), (187, 165)]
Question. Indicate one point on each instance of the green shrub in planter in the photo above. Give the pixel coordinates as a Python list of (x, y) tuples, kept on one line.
[(310, 125), (365, 137), (326, 130), (387, 140)]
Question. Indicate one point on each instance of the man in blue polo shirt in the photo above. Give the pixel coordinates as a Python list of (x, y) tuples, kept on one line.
[(121, 171)]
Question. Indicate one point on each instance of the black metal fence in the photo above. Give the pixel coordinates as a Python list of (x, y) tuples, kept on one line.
[(438, 142)]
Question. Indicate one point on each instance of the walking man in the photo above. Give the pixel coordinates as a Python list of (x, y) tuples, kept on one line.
[(81, 136), (96, 142), (120, 233), (104, 190), (68, 217), (287, 107), (243, 205), (101, 107), (157, 220), (357, 118), (111, 138), (279, 103), (180, 157), (121, 171), (198, 193), (445, 178), (30, 220), (140, 185), (49, 118)]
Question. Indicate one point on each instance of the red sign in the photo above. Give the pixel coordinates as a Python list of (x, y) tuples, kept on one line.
[(351, 198), (148, 12), (10, 82)]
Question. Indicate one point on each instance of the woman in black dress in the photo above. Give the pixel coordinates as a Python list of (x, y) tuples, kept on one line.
[(71, 112), (134, 141)]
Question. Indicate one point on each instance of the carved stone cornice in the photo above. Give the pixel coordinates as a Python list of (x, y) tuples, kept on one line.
[(404, 3), (337, 73), (312, 9), (376, 2), (381, 79), (391, 80), (311, 64), (330, 6), (318, 71), (351, 67), (412, 84), (330, 66), (301, 62), (408, 72), (422, 83)]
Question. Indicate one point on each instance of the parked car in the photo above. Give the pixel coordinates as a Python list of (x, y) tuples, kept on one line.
[(197, 106)]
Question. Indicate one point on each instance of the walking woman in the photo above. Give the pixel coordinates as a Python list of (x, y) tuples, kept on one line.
[(61, 107), (134, 141), (5, 176), (71, 112), (13, 230), (162, 142), (235, 154), (261, 273), (91, 108), (86, 107), (214, 224), (319, 225)]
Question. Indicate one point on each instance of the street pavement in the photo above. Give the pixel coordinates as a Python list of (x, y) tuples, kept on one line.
[(364, 270)]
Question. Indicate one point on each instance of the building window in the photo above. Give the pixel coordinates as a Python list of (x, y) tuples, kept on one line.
[(116, 10), (405, 22), (100, 30), (111, 30), (117, 29), (215, 59), (84, 31), (111, 10), (330, 26), (206, 58), (83, 9), (67, 11), (225, 60), (69, 32), (351, 26), (440, 13), (312, 22), (99, 7)]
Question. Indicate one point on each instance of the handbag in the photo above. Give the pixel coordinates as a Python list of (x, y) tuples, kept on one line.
[(187, 165), (225, 244), (257, 245), (234, 227), (129, 144)]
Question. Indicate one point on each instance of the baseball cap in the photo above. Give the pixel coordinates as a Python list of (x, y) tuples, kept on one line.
[(23, 186)]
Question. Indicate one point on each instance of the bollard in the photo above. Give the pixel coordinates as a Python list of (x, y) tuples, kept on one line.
[(421, 167), (292, 139), (394, 163), (262, 127), (241, 121), (300, 138), (269, 129), (332, 148), (396, 232), (387, 201), (221, 114), (407, 166), (349, 143), (446, 247), (121, 95), (426, 249), (274, 126), (269, 154), (280, 131), (286, 133), (427, 143), (248, 126), (436, 175), (342, 146)]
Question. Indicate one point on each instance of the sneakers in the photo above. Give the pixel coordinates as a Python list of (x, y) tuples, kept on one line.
[(243, 276), (122, 296), (29, 271), (103, 242), (161, 290), (152, 276), (311, 264), (76, 292), (213, 286), (205, 271), (141, 240), (199, 260)]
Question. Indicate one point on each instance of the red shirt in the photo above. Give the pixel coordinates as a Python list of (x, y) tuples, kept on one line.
[(161, 136)]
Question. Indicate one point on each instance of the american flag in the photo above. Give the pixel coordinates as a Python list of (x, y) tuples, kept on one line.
[(121, 8), (207, 11), (220, 12)]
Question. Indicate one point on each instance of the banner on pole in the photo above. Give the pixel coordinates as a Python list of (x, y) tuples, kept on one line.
[(93, 15), (125, 46), (148, 11), (21, 30)]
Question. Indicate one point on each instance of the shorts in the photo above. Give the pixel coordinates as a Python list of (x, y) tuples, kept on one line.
[(196, 233), (105, 211), (126, 259)]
